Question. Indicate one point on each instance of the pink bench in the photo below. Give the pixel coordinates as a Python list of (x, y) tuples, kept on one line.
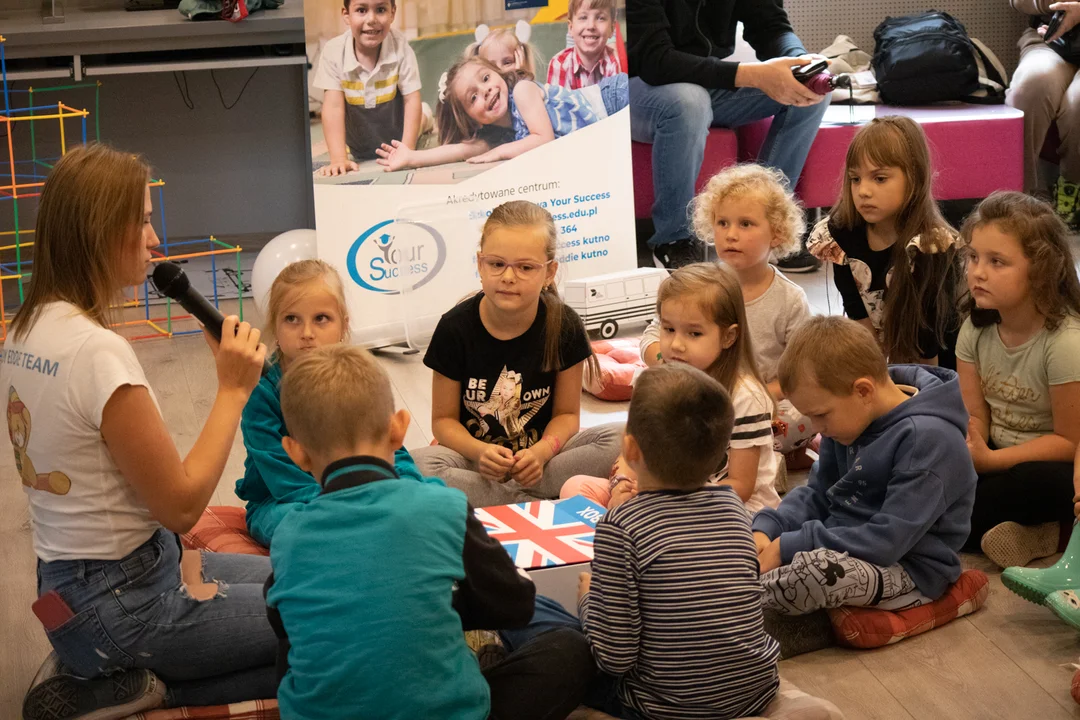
[(976, 149), (721, 150)]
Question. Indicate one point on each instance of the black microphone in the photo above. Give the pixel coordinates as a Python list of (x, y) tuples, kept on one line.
[(170, 281)]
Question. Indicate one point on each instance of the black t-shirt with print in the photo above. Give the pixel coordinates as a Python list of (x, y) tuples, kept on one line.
[(862, 283), (506, 397)]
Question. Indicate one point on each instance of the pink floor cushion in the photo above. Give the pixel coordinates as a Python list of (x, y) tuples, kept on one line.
[(872, 627), (250, 710), (222, 529), (620, 362)]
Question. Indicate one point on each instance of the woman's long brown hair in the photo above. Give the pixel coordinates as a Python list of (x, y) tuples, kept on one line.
[(90, 215), (921, 280)]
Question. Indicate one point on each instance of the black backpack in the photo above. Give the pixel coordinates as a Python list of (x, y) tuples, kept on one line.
[(927, 58)]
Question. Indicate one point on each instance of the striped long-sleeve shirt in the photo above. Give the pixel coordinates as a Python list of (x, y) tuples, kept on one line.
[(675, 607)]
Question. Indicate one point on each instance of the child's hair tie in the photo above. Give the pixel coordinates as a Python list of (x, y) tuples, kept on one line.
[(442, 87)]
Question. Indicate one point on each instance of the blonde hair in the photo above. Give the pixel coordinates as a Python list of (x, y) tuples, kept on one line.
[(455, 125), (294, 282), (334, 397), (1043, 237), (576, 5), (717, 292), (530, 56), (525, 214), (833, 352), (751, 181), (921, 278), (90, 215)]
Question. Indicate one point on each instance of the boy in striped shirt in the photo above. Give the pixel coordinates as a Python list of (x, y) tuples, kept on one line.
[(371, 86), (589, 59), (673, 608)]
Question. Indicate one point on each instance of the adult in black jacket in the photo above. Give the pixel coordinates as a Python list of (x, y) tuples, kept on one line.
[(680, 86)]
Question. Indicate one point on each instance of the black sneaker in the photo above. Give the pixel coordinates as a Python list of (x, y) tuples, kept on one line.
[(800, 262), (66, 697), (678, 254)]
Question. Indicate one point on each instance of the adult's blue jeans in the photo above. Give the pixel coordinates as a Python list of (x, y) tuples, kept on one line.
[(136, 613), (676, 119)]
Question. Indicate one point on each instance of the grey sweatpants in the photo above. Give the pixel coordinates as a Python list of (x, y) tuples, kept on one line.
[(1047, 89), (821, 579), (590, 452)]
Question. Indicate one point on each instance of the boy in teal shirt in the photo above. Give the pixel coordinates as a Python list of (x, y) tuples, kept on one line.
[(272, 484), (376, 578)]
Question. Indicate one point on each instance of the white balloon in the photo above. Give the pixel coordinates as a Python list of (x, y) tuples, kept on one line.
[(286, 248)]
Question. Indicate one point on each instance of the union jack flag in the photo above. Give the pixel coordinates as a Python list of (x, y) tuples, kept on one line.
[(544, 533)]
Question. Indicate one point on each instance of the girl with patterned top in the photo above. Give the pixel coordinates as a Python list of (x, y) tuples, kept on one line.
[(894, 256), (485, 115)]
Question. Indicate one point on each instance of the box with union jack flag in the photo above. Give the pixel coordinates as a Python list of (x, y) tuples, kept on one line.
[(544, 533)]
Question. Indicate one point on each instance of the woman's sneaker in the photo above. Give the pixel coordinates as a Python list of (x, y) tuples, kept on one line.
[(675, 255), (66, 697)]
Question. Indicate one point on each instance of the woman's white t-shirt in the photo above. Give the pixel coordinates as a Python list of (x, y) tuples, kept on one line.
[(57, 379)]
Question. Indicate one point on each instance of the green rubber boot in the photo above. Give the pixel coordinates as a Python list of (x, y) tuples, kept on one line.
[(1035, 584), (1066, 605)]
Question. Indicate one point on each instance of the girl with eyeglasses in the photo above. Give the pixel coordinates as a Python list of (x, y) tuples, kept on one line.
[(508, 362)]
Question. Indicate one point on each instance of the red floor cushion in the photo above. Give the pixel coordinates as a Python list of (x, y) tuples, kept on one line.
[(250, 710), (619, 361), (859, 627), (222, 529)]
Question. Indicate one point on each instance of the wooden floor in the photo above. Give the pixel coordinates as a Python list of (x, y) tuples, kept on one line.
[(1003, 662)]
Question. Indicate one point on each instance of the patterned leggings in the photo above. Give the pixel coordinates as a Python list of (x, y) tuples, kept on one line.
[(822, 578)]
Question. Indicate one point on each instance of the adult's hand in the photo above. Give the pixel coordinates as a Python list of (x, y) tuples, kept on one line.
[(775, 79), (1071, 19)]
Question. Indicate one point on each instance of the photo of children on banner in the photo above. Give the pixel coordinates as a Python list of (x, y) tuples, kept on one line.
[(487, 87)]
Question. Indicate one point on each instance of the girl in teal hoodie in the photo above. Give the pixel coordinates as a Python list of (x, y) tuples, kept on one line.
[(307, 310)]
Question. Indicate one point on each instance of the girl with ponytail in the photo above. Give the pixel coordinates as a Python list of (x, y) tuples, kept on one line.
[(508, 362)]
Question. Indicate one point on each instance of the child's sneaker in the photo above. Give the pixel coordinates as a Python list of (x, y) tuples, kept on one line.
[(1012, 544), (487, 645), (1066, 203), (67, 697)]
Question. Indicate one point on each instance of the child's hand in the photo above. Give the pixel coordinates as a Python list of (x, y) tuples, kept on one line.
[(337, 168), (485, 157), (584, 583), (769, 559), (761, 541), (1076, 505), (495, 463), (395, 156), (519, 57), (981, 454), (622, 492), (528, 468)]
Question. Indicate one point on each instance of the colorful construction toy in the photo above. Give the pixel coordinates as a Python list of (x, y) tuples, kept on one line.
[(22, 179)]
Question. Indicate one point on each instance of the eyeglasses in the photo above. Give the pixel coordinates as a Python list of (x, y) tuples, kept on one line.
[(524, 269)]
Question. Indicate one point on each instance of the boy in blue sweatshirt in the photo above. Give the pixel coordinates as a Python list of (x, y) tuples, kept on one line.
[(375, 579), (888, 504)]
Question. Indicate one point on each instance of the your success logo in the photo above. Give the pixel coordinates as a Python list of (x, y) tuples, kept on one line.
[(396, 255)]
